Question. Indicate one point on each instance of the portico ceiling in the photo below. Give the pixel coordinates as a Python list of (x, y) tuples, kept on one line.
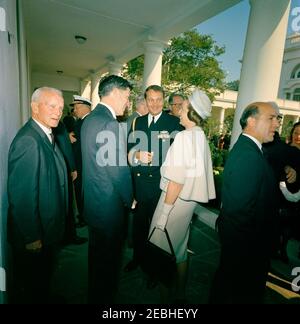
[(115, 30)]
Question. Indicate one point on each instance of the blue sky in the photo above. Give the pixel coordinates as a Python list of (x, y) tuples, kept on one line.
[(229, 29)]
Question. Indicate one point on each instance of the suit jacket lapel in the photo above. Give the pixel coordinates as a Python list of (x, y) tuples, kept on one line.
[(58, 158), (159, 122), (249, 142), (38, 129)]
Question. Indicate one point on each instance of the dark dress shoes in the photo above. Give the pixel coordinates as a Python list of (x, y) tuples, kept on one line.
[(131, 265), (77, 240)]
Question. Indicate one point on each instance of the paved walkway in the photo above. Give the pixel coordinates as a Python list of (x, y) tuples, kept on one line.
[(71, 276)]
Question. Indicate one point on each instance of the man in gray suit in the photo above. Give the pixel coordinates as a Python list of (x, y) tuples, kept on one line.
[(107, 186), (38, 198), (247, 222)]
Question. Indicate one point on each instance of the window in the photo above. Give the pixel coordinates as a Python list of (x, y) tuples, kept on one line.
[(288, 96), (296, 95), (296, 72)]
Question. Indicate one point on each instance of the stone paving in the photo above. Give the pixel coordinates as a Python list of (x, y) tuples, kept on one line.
[(70, 279)]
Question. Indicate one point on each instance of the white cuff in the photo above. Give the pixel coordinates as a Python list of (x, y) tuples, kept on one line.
[(292, 197)]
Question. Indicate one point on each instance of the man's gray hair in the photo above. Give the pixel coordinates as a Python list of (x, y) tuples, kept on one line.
[(38, 92), (139, 99)]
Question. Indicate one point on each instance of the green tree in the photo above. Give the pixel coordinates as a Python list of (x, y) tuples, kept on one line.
[(189, 61), (233, 85), (286, 129), (228, 124)]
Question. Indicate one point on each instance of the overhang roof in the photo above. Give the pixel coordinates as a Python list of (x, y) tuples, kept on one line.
[(115, 30)]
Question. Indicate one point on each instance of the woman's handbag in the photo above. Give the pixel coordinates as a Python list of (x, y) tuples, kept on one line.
[(159, 264)]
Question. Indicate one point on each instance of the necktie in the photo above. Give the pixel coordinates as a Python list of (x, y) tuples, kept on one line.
[(52, 139), (152, 123)]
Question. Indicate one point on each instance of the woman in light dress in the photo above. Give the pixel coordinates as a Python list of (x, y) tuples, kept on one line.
[(186, 179)]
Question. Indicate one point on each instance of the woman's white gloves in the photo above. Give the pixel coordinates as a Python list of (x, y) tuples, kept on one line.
[(163, 218)]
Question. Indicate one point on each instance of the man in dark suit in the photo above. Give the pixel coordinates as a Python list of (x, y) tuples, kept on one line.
[(148, 143), (82, 108), (247, 221), (107, 186), (69, 121), (63, 141), (38, 198)]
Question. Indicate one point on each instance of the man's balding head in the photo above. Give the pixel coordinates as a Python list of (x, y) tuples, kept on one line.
[(260, 120)]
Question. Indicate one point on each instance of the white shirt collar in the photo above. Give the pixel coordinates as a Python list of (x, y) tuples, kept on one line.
[(257, 142), (109, 108), (155, 118), (45, 129), (85, 116)]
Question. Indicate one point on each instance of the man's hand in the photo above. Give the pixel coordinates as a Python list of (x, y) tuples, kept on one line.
[(291, 174), (35, 246), (144, 157), (74, 175), (72, 137)]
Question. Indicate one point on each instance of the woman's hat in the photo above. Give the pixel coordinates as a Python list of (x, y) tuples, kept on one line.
[(200, 103)]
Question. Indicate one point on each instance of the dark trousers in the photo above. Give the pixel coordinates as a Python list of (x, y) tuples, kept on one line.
[(104, 258), (141, 224), (70, 227), (242, 273), (78, 196), (32, 273)]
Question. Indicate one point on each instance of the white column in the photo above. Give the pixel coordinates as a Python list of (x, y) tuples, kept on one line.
[(222, 117), (263, 55), (296, 118), (114, 68), (85, 88), (94, 90), (152, 63)]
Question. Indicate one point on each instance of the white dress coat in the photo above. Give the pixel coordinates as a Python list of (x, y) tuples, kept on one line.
[(188, 162)]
